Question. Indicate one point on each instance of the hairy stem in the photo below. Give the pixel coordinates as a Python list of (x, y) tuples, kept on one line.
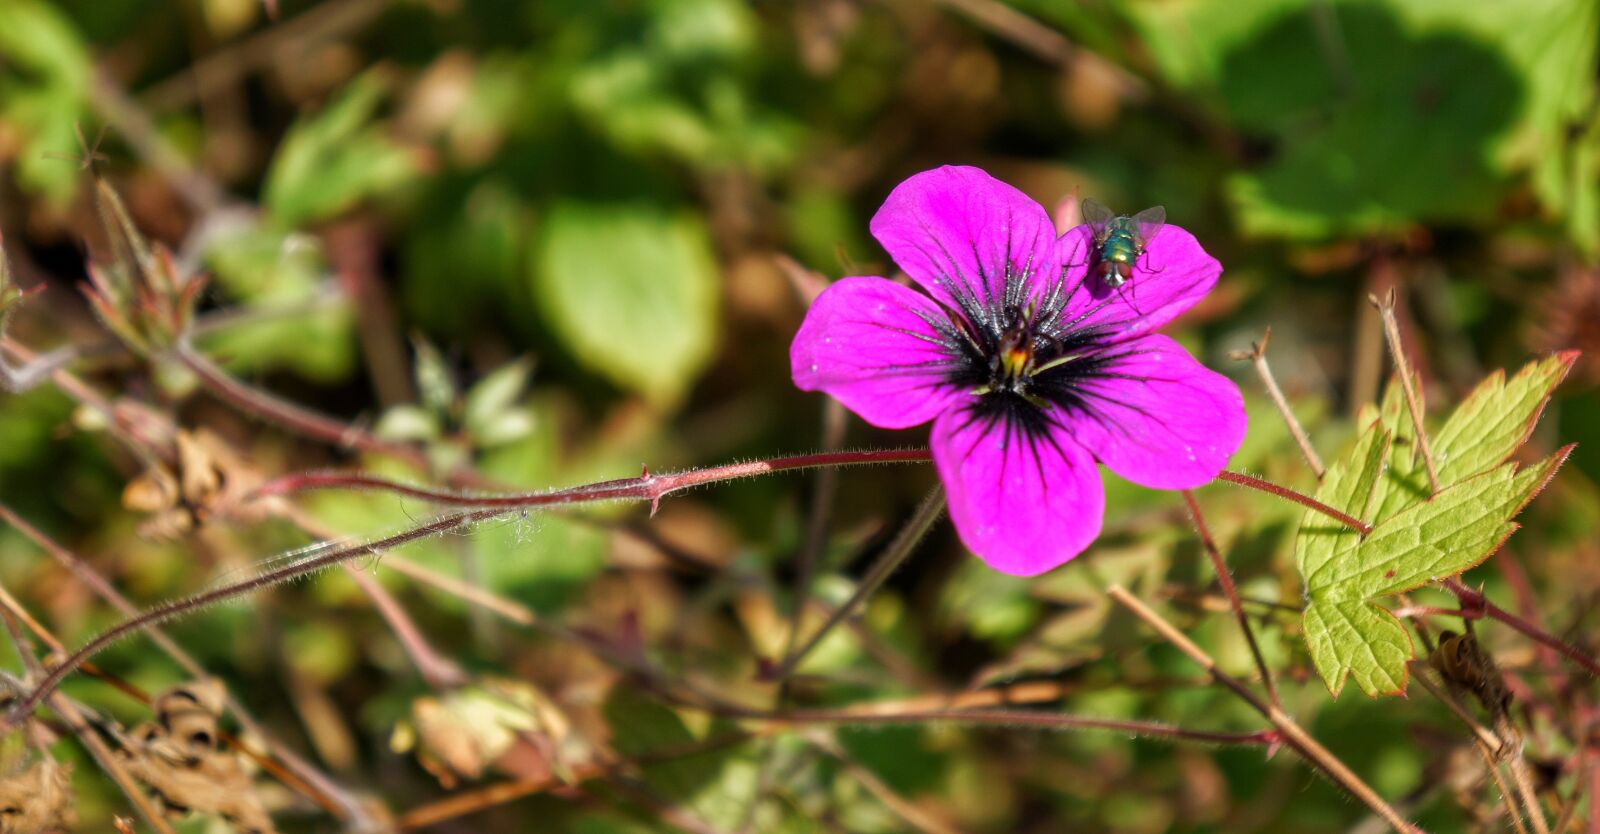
[(1300, 498), (654, 487), (1473, 602), (317, 785), (1232, 593), (294, 418), (645, 487)]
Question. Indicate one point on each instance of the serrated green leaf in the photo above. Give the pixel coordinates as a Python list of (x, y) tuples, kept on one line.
[(631, 291), (1456, 530), (1461, 526), (1482, 432), (1497, 417), (1347, 486), (1356, 639)]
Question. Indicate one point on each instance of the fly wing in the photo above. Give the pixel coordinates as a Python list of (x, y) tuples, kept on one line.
[(1150, 221), (1098, 216)]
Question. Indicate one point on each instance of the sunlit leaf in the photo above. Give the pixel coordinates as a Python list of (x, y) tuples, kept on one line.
[(1455, 530), (1490, 424)]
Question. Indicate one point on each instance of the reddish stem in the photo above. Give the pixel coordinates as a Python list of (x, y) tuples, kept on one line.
[(1302, 499), (295, 418), (1474, 602), (645, 487), (656, 487), (1228, 589)]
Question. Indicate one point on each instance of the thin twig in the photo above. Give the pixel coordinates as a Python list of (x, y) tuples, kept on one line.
[(905, 809), (1045, 42), (230, 65), (108, 762), (1408, 383), (436, 670), (506, 609), (1232, 593), (1257, 354), (904, 542), (1293, 735), (1489, 745), (818, 519)]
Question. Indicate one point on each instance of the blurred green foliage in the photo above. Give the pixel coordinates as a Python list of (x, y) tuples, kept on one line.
[(539, 237)]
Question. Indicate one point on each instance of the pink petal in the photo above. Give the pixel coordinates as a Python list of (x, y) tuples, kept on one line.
[(1157, 417), (1170, 277), (956, 231), (869, 342), (1024, 502)]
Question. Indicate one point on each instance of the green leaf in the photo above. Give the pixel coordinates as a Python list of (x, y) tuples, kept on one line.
[(1497, 418), (1493, 421), (336, 158), (1376, 129), (1454, 531), (1347, 486), (1356, 639), (1458, 528), (632, 293)]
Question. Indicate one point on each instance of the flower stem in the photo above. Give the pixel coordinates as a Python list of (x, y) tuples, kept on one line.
[(176, 608), (1257, 354), (645, 487), (905, 541), (1408, 383), (1300, 498), (1293, 735), (1232, 593)]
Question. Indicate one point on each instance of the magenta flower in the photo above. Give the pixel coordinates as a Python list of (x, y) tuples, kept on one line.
[(1030, 369)]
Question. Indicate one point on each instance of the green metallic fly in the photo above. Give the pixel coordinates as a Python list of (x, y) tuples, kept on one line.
[(1119, 240)]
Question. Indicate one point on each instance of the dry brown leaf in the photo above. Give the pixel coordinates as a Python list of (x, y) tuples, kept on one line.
[(506, 724), (178, 756), (37, 800), (212, 480)]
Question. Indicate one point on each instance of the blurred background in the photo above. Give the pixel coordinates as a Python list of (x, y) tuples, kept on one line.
[(554, 240)]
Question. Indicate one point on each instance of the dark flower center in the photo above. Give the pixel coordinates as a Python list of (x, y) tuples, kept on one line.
[(1017, 355)]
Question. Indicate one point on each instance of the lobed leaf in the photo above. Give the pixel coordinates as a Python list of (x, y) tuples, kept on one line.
[(1493, 421), (1497, 417), (1356, 639), (1418, 537), (1457, 529)]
